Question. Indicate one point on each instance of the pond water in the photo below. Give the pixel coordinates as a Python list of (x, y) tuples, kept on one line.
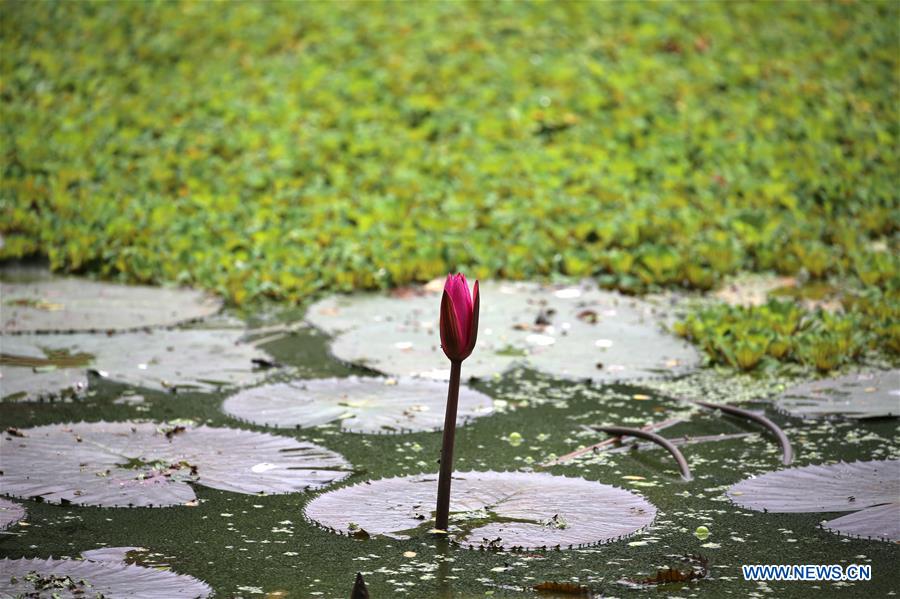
[(250, 545)]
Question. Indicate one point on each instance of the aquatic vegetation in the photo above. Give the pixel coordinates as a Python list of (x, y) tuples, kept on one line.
[(746, 337), (622, 431), (458, 328), (643, 148), (489, 510), (36, 366), (871, 489), (137, 464), (787, 451), (58, 305), (871, 394), (370, 405), (10, 513), (88, 578), (569, 331)]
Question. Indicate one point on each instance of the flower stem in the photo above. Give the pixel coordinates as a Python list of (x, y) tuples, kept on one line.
[(442, 514)]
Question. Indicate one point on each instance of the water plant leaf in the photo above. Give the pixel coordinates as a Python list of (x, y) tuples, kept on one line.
[(201, 359), (843, 487), (115, 464), (361, 405), (879, 522), (492, 510), (872, 394), (87, 578), (110, 554), (73, 304), (398, 335), (10, 513)]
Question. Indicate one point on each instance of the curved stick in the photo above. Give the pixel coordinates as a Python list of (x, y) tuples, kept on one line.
[(787, 452), (622, 431), (653, 427)]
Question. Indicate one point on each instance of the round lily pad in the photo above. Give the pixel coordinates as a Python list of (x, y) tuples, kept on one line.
[(114, 464), (71, 304), (571, 332), (510, 510), (39, 366), (862, 395), (361, 405), (10, 513), (67, 578), (863, 487)]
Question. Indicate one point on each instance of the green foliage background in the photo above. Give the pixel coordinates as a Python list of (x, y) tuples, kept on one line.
[(282, 149)]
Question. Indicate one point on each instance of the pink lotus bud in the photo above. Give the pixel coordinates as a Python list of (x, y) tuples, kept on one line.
[(459, 318)]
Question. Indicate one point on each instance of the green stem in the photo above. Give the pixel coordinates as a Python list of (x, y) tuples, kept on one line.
[(442, 513)]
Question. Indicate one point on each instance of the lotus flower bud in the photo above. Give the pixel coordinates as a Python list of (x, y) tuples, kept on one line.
[(459, 318)]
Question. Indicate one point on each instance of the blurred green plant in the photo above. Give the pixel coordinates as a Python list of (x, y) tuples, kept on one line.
[(280, 150)]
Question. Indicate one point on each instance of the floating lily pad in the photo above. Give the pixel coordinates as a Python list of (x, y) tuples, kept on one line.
[(66, 578), (879, 522), (70, 304), (10, 513), (361, 405), (38, 366), (510, 510), (572, 332), (861, 395), (866, 486), (144, 464)]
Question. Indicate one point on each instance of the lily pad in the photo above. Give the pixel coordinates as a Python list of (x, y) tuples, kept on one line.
[(10, 513), (39, 366), (361, 405), (509, 510), (864, 487), (67, 578), (145, 464), (71, 304), (572, 332), (862, 395), (879, 522)]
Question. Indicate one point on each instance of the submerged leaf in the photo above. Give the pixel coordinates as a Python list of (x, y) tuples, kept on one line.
[(71, 304), (398, 335), (114, 464), (361, 405), (493, 510), (838, 487), (29, 577)]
